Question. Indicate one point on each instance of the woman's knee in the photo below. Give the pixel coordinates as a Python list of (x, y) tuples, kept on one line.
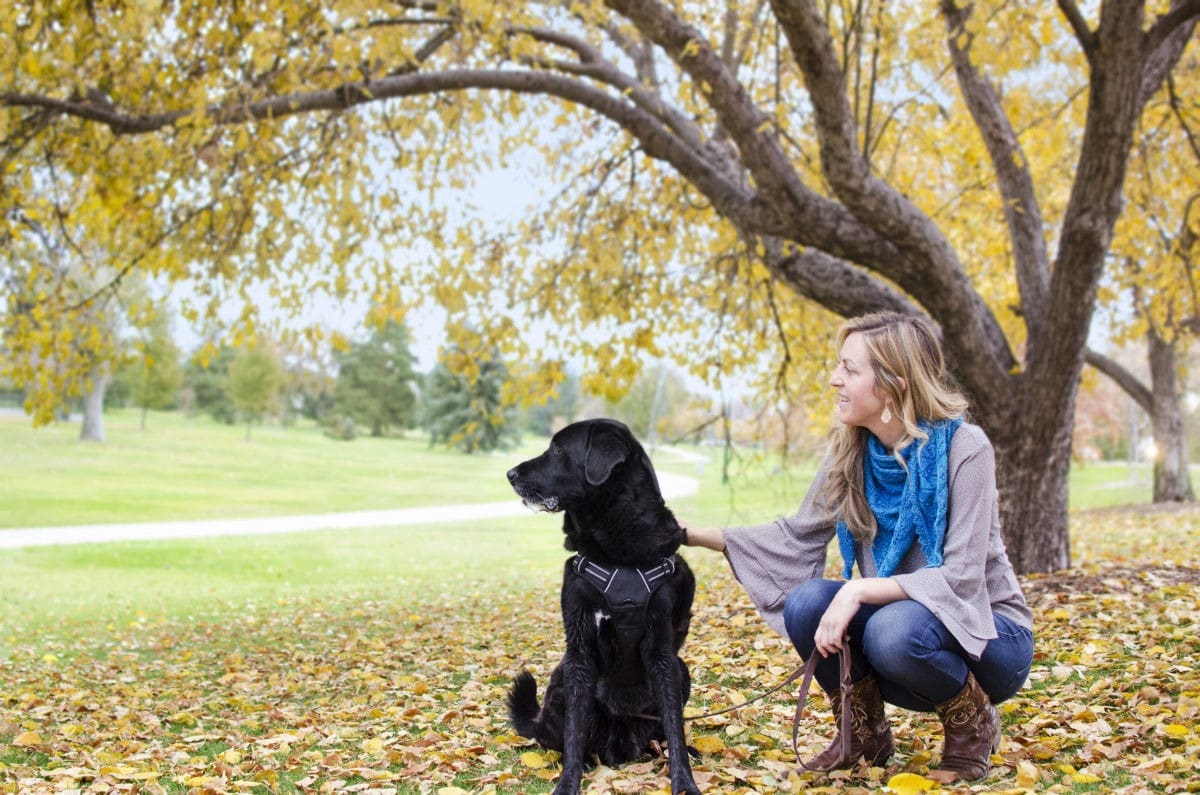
[(804, 607), (899, 634), (908, 646)]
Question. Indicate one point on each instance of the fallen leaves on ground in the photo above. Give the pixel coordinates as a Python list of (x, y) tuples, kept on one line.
[(383, 696)]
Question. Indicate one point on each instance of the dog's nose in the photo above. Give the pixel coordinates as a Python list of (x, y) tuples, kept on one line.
[(512, 475)]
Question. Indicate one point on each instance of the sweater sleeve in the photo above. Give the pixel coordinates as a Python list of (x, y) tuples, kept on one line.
[(956, 592), (769, 560)]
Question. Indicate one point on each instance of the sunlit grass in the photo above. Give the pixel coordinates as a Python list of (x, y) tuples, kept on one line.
[(195, 468), (184, 468)]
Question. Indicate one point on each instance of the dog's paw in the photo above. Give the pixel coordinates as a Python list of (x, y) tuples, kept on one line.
[(563, 788)]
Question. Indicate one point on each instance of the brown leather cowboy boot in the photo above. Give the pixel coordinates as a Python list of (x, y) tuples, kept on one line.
[(972, 728), (870, 734)]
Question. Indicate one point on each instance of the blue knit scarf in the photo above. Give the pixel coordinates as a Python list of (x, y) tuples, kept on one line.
[(909, 502)]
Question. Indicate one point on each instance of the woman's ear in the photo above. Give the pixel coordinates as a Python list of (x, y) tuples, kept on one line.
[(903, 384)]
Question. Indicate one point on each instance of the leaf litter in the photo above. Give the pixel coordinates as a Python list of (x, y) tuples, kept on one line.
[(375, 695)]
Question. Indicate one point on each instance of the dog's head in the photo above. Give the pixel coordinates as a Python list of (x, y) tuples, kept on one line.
[(583, 463)]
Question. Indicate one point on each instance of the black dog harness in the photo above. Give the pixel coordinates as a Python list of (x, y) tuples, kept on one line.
[(626, 590)]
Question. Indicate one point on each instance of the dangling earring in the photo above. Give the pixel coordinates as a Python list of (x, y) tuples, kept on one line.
[(886, 416)]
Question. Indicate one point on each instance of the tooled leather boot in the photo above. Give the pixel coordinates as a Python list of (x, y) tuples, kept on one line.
[(870, 734), (972, 728)]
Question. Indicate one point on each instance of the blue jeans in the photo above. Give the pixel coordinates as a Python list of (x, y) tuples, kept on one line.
[(915, 659)]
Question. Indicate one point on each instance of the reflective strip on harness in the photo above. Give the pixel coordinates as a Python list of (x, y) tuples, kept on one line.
[(624, 587)]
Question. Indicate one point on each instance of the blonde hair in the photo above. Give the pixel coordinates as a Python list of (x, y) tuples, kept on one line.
[(899, 347)]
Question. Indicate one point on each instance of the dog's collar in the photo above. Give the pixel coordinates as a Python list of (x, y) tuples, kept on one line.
[(624, 586)]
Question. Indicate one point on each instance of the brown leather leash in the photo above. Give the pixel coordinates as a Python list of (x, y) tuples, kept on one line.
[(792, 677), (846, 685), (807, 671)]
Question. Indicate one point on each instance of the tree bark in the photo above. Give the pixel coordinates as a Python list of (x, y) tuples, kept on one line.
[(1031, 472), (1162, 402), (93, 408), (1172, 480)]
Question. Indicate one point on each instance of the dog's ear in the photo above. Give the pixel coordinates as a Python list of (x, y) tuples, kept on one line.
[(605, 449)]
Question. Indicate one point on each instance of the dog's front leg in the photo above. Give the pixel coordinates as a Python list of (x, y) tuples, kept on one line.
[(666, 679), (579, 682)]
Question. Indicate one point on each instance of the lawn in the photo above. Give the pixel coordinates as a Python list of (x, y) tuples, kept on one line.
[(195, 468), (377, 660)]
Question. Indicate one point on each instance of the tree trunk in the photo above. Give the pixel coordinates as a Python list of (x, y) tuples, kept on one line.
[(1172, 481), (93, 409), (1033, 461)]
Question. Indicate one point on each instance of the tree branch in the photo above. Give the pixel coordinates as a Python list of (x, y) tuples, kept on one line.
[(929, 269), (1085, 35), (1095, 201), (1022, 213), (833, 283), (737, 114), (1165, 43), (1128, 382), (657, 140), (1178, 112), (868, 198), (841, 232), (592, 64), (1182, 15)]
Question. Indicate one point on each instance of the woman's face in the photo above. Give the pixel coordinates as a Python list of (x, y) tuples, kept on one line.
[(854, 380)]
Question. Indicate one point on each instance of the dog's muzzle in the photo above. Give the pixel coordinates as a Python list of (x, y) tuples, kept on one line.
[(531, 499), (541, 504)]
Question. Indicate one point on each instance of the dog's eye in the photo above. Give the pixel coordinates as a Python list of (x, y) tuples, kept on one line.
[(555, 449)]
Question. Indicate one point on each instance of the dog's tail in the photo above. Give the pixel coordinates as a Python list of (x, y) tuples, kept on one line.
[(523, 707)]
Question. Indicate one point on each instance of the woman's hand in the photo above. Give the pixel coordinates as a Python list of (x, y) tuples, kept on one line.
[(835, 623)]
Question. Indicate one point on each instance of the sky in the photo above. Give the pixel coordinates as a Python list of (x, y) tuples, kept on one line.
[(503, 194)]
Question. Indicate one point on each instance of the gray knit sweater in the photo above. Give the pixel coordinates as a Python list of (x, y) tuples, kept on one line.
[(974, 582)]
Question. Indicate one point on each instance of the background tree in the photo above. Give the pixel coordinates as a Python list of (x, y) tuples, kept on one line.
[(206, 381), (1155, 253), (310, 384), (58, 356), (1105, 416), (375, 381), (655, 403), (255, 382), (467, 401), (152, 374), (793, 140), (558, 409)]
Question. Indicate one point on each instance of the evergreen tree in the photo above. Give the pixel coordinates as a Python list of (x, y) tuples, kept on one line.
[(466, 409), (375, 381)]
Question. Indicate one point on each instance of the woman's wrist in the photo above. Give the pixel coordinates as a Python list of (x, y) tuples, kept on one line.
[(708, 537)]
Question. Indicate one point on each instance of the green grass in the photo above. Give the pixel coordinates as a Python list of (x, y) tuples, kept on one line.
[(1102, 484), (194, 468), (182, 468), (57, 591)]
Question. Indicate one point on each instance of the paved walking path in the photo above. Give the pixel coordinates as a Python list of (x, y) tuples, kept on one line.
[(673, 486)]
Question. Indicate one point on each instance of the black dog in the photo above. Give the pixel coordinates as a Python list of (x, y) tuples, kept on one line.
[(626, 607)]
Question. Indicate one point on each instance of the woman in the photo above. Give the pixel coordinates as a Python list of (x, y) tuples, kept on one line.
[(936, 621)]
